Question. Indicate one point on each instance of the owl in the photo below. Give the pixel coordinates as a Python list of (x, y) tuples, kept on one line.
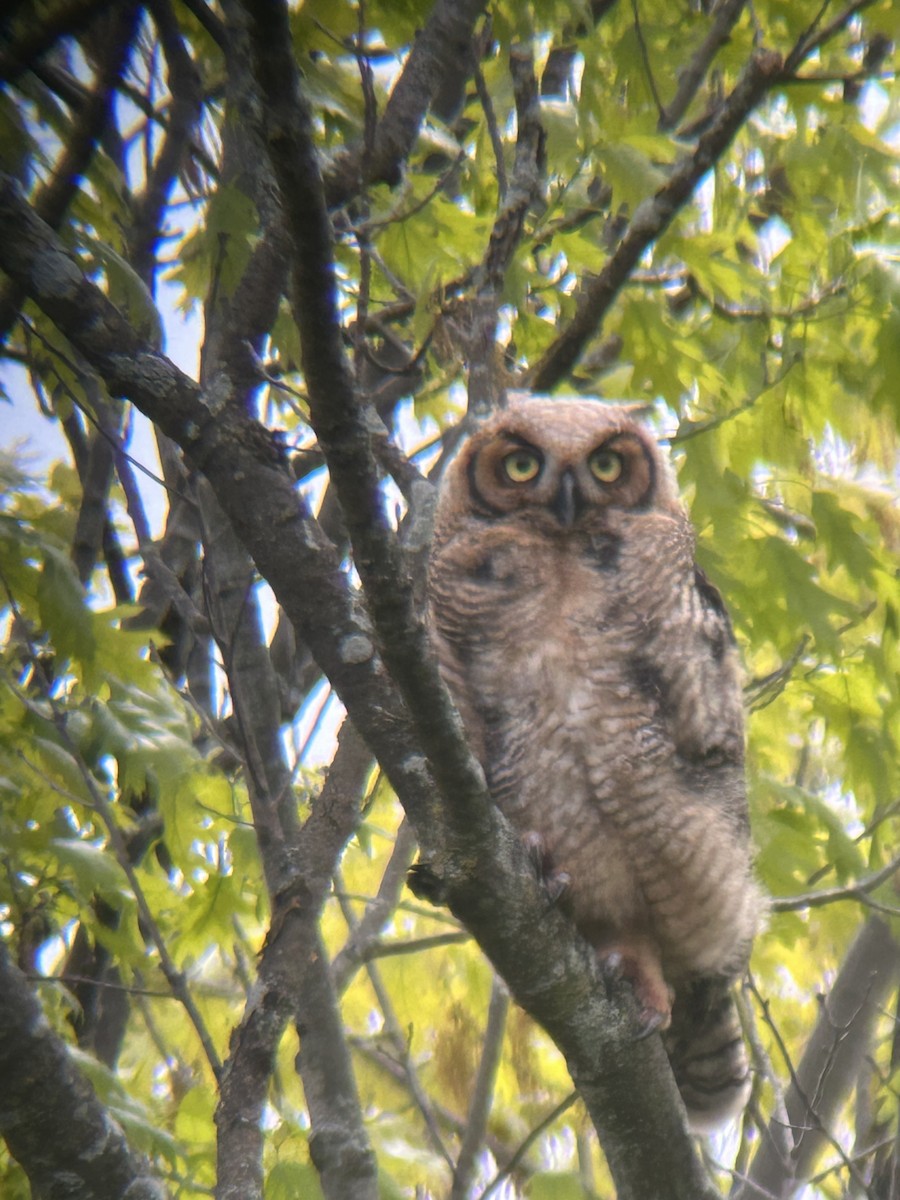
[(595, 670)]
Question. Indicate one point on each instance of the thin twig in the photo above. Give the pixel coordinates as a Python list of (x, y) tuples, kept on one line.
[(399, 1042), (808, 1104), (527, 1143), (854, 891), (645, 57), (367, 931), (490, 118), (414, 945), (482, 1090)]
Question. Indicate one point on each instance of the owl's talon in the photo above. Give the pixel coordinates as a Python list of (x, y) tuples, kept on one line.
[(649, 1021), (653, 995), (555, 883), (612, 966)]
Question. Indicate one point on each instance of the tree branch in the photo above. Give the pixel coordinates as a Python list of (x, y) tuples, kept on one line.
[(69, 17), (55, 197), (437, 49), (854, 891), (692, 76), (293, 983), (829, 1066), (485, 387), (510, 1167), (184, 114), (652, 218), (399, 1043), (627, 1086), (482, 1090), (55, 1127), (366, 933)]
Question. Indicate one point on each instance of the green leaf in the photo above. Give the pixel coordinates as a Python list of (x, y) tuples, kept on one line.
[(288, 1180), (555, 1185), (95, 868), (63, 610)]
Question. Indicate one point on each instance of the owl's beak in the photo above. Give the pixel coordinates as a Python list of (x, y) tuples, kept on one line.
[(567, 503)]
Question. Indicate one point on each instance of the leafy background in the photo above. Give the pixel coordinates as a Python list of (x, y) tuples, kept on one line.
[(761, 330)]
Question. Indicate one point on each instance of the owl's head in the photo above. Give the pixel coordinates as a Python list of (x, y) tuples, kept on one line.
[(565, 462)]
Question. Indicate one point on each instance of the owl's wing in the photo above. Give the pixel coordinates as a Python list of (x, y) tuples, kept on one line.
[(690, 667)]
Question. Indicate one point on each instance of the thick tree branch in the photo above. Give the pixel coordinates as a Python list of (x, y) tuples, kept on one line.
[(53, 1123), (437, 49), (293, 983), (342, 432), (297, 868), (338, 1145), (627, 1086)]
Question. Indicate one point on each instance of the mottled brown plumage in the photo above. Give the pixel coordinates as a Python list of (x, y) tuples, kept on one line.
[(594, 667)]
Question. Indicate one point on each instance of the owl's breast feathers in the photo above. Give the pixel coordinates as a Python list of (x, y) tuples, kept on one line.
[(605, 705)]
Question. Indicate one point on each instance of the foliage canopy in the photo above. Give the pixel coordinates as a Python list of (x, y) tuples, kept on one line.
[(372, 219)]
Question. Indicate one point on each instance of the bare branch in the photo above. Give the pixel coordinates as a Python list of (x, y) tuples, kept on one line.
[(55, 197), (366, 933), (338, 1145), (539, 1129), (184, 113), (482, 1090), (854, 891), (480, 317), (339, 425), (817, 35), (400, 1046), (293, 983), (829, 1066)]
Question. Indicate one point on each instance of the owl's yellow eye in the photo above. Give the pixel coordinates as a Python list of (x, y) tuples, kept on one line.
[(521, 466), (606, 465)]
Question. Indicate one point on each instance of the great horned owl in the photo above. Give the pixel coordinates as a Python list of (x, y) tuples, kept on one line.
[(594, 667)]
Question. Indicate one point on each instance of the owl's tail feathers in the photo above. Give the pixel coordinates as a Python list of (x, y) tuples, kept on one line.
[(708, 1055)]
